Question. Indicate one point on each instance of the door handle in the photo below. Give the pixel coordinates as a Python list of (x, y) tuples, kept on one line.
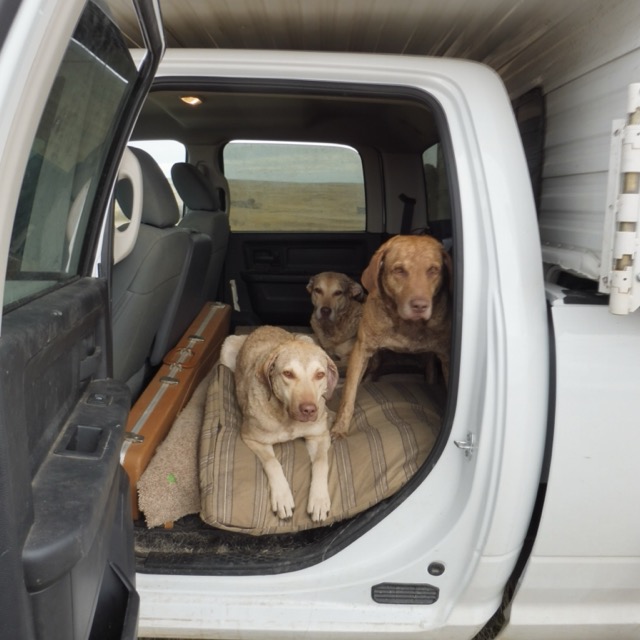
[(265, 258)]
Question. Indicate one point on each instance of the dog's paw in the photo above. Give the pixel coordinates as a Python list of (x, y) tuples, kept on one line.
[(282, 503), (319, 506), (338, 430)]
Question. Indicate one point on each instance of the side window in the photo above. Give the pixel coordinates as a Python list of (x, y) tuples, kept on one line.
[(67, 158), (437, 184), (166, 153), (294, 187)]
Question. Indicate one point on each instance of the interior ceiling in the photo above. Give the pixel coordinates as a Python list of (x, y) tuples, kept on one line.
[(393, 125)]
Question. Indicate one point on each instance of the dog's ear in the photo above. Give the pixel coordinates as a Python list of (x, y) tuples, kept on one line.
[(448, 266), (332, 377), (310, 284), (230, 349), (264, 372), (305, 337), (356, 291), (370, 274)]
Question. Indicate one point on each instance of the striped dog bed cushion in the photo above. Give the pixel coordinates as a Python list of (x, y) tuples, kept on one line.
[(394, 427)]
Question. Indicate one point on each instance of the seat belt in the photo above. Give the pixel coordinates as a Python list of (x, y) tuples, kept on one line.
[(407, 213)]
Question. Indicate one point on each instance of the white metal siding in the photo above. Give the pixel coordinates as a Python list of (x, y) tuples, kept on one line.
[(584, 65), (579, 118)]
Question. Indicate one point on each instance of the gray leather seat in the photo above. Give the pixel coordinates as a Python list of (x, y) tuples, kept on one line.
[(205, 213), (152, 283)]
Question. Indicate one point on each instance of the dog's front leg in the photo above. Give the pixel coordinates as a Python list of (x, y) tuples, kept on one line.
[(358, 361), (281, 497), (319, 500)]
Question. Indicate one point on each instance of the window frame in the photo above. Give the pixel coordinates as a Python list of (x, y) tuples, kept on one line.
[(95, 242)]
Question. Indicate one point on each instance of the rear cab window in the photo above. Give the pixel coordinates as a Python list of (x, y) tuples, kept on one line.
[(292, 187)]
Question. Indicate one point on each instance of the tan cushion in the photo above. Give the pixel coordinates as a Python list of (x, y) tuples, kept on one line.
[(395, 425)]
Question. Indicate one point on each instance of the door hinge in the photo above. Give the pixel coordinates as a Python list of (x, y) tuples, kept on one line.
[(620, 266)]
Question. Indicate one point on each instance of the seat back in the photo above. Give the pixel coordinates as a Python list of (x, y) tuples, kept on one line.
[(145, 281), (206, 214), (188, 299)]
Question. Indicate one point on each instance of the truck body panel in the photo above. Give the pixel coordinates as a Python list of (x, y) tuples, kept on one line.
[(582, 576)]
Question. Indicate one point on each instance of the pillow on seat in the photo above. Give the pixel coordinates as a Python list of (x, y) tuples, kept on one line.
[(395, 426)]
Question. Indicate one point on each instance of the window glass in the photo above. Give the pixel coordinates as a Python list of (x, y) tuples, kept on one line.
[(294, 187), (67, 158), (166, 153), (437, 184)]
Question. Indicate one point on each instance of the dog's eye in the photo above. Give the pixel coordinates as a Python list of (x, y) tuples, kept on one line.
[(288, 374), (433, 271), (318, 290), (338, 293), (319, 375), (399, 270)]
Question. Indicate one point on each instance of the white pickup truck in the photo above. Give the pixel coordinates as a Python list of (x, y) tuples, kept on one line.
[(519, 520)]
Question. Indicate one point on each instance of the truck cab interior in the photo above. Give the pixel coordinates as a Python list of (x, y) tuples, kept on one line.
[(289, 180)]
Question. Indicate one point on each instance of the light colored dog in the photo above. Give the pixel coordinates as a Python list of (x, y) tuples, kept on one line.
[(282, 382), (408, 310), (337, 309)]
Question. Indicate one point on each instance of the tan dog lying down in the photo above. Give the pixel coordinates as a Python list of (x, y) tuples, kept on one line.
[(407, 310), (337, 309), (282, 382)]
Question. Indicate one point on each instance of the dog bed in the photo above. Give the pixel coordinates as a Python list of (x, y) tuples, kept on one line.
[(395, 424)]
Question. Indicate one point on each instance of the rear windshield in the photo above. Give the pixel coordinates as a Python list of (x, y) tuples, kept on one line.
[(294, 187)]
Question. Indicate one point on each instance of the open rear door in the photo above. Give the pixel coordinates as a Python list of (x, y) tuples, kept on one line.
[(69, 94)]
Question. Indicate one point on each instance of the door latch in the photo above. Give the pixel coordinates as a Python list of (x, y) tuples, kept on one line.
[(468, 446)]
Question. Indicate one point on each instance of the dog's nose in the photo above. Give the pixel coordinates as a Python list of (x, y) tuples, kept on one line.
[(308, 410), (325, 311), (419, 305)]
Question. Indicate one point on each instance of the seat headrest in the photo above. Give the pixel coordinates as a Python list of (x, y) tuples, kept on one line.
[(194, 189), (159, 206)]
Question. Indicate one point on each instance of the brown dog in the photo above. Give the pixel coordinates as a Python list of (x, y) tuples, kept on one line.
[(337, 309), (282, 382), (408, 310)]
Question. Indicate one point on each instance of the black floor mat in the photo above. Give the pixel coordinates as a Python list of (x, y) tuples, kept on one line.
[(193, 547)]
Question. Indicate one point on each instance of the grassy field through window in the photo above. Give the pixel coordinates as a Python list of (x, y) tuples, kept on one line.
[(258, 205), (291, 186)]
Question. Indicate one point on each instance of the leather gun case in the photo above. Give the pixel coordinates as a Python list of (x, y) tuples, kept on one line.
[(182, 370)]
